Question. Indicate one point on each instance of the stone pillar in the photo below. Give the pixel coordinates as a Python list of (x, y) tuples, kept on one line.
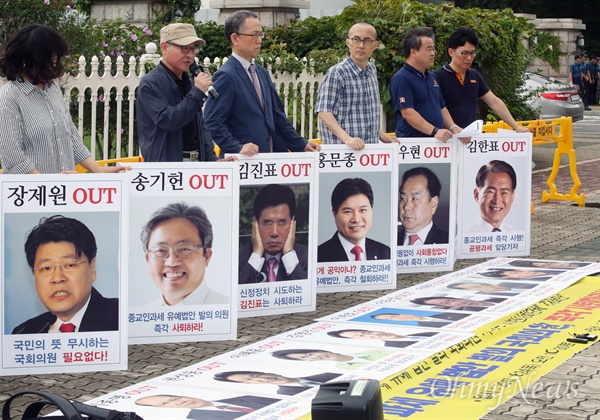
[(136, 12), (567, 30), (270, 12)]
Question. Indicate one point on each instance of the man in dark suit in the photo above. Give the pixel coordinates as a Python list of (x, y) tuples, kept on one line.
[(248, 116), (286, 385), (419, 199), (61, 252), (389, 339), (223, 409), (352, 208), (273, 254)]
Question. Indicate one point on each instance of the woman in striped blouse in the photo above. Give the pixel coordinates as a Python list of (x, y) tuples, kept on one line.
[(37, 134)]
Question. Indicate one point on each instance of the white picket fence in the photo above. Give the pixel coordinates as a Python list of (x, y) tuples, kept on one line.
[(108, 89)]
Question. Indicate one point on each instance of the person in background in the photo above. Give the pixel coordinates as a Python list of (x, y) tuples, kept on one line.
[(178, 241), (248, 116), (576, 78), (61, 252), (419, 108), (494, 193), (352, 208), (37, 134), (419, 200), (348, 103), (592, 82), (273, 254), (461, 85)]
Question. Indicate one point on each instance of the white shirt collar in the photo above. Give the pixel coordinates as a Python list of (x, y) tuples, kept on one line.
[(76, 319), (422, 234), (349, 245)]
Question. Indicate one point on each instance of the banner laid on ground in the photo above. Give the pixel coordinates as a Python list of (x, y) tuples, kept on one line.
[(501, 360), (426, 205), (357, 206), (277, 254), (64, 273), (277, 378), (183, 249), (494, 196)]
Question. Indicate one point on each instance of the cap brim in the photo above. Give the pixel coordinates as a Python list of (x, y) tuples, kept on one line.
[(188, 40)]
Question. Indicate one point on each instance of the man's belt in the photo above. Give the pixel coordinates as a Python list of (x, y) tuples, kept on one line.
[(193, 155)]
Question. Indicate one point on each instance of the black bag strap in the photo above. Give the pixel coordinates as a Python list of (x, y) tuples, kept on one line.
[(31, 412), (71, 410), (97, 413)]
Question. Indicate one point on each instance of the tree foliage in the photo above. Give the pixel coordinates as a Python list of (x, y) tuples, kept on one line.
[(74, 26)]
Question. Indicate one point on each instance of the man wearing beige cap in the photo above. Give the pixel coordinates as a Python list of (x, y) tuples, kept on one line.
[(170, 122)]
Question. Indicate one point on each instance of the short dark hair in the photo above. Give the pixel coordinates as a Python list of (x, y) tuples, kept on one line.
[(224, 376), (284, 354), (496, 166), (236, 22), (150, 396), (521, 263), (460, 283), (501, 272), (461, 36), (412, 39), (338, 334), (60, 229), (531, 264), (423, 300), (30, 51), (274, 195), (194, 214), (347, 188), (382, 313), (495, 273), (434, 187)]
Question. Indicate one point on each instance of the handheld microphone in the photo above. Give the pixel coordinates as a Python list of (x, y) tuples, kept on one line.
[(195, 70)]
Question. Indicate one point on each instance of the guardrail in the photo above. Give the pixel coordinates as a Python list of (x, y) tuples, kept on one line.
[(559, 131)]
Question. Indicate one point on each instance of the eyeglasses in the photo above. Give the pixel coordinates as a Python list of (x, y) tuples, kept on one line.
[(366, 41), (181, 251), (47, 270), (256, 35), (186, 49), (465, 54)]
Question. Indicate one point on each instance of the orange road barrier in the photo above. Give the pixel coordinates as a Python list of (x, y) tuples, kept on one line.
[(559, 131), (105, 162)]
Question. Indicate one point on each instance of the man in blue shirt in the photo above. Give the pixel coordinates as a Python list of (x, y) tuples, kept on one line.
[(592, 83), (419, 108), (461, 85), (576, 76)]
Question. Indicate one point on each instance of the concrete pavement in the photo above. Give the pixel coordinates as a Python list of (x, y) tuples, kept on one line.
[(559, 230)]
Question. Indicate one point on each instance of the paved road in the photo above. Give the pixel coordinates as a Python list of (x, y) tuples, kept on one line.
[(559, 231)]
